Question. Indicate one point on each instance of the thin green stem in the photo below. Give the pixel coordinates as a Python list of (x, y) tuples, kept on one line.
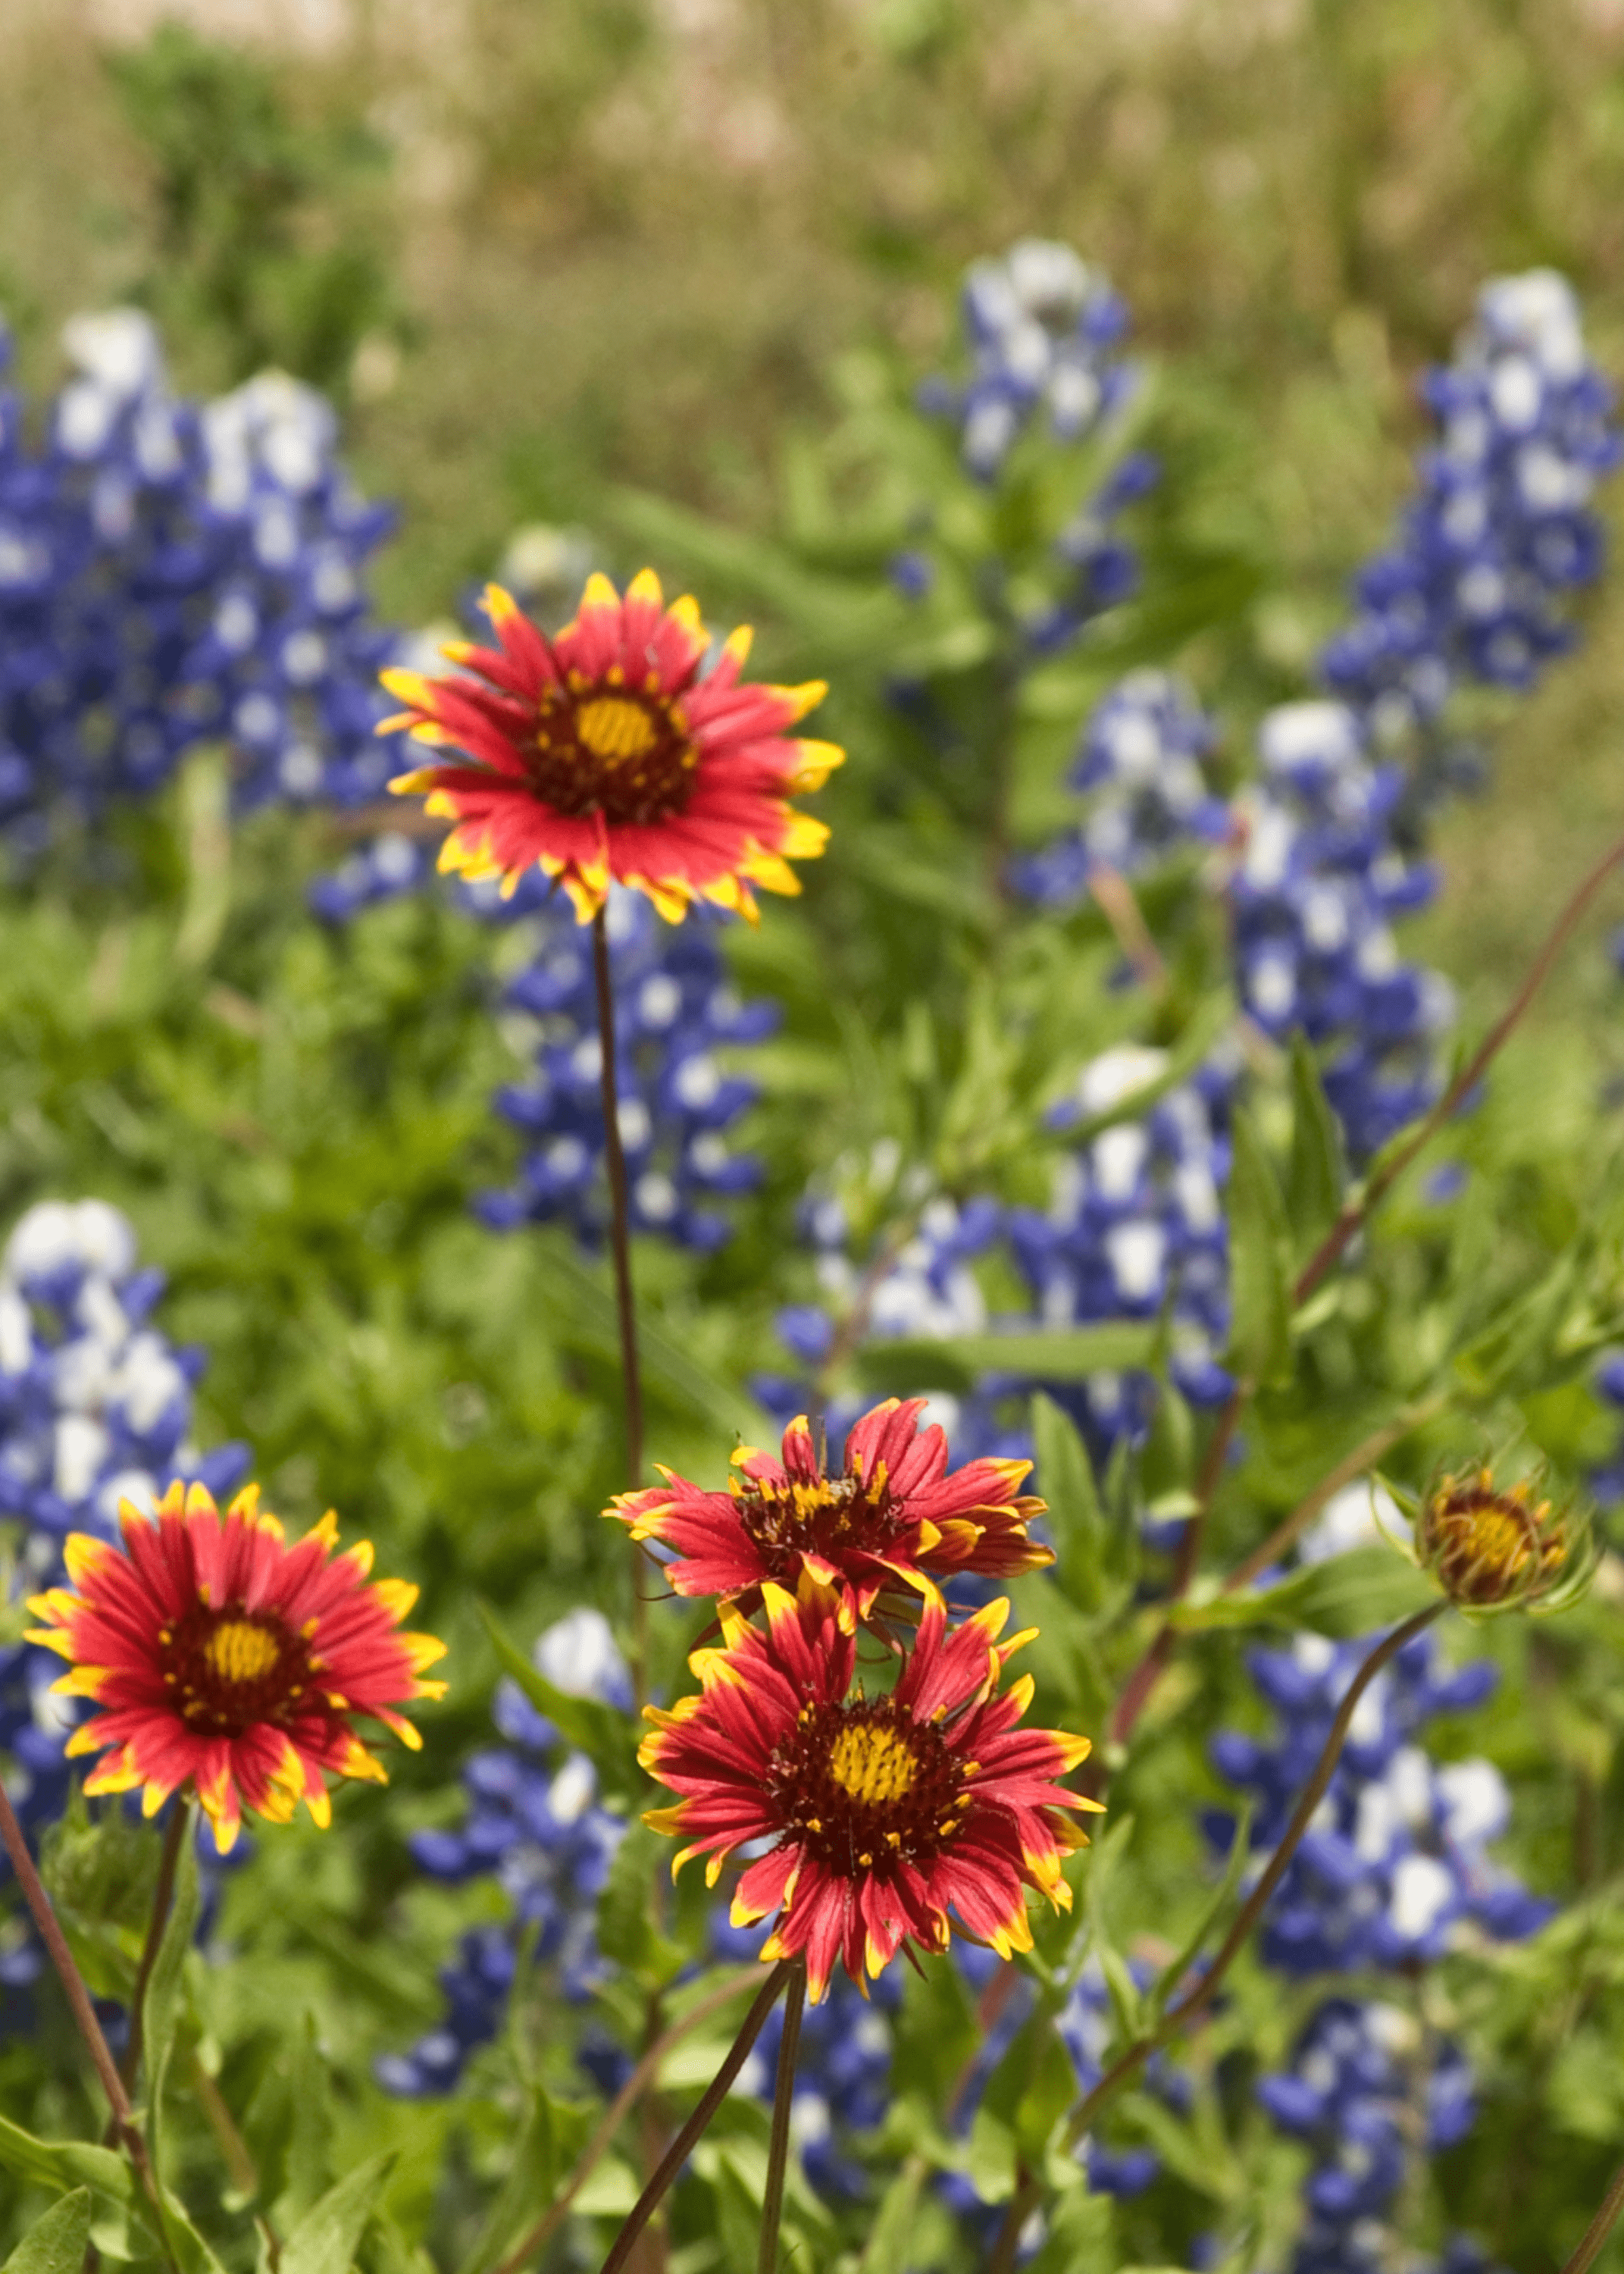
[(1202, 1992), (1599, 2228), (716, 2092), (778, 2156), (84, 2013), (636, 2085), (626, 1303), (175, 1834)]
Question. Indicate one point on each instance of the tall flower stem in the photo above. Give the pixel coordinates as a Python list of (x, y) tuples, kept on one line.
[(84, 2013), (1599, 2228), (175, 1835), (626, 1304), (1203, 1991), (778, 2158), (716, 2092)]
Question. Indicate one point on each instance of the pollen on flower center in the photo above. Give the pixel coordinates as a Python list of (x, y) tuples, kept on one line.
[(613, 726), (624, 754), (864, 1782), (228, 1669), (873, 1764), (788, 1519), (240, 1651)]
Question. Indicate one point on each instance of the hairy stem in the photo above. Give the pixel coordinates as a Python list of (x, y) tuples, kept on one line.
[(1600, 2227), (778, 2158), (636, 2085), (174, 1835), (626, 1304), (84, 2013), (716, 2092), (1202, 1992)]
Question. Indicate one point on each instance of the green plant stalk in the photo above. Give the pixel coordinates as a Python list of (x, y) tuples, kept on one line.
[(1201, 1994), (174, 1837), (636, 2085), (716, 2092), (778, 2156), (626, 1301), (1599, 2228), (84, 2015)]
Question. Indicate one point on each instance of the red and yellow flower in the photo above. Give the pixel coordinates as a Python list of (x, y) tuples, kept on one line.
[(884, 1814), (223, 1659), (604, 753), (895, 1515)]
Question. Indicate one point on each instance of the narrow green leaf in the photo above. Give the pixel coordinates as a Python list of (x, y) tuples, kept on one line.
[(326, 2240), (65, 2164), (1343, 1597), (1066, 1479), (1259, 1264), (1040, 1354), (1166, 1982), (165, 2001), (1318, 1175), (606, 1737), (891, 2238), (532, 2175), (1051, 2089), (55, 2244)]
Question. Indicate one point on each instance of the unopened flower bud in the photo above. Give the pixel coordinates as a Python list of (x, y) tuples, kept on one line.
[(1496, 1549)]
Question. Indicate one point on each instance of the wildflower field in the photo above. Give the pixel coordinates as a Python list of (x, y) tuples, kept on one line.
[(811, 1181)]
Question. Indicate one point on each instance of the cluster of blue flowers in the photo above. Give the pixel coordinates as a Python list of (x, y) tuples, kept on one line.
[(1042, 329), (95, 1407), (1141, 765), (1475, 584), (1315, 892), (1393, 1872), (674, 1010), (173, 573), (535, 1825)]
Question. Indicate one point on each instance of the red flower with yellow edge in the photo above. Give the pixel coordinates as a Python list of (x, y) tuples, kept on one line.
[(885, 1814), (223, 1659), (896, 1513), (605, 753)]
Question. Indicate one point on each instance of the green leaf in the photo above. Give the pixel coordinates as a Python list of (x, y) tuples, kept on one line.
[(607, 1737), (1052, 2088), (626, 1930), (1259, 1265), (1041, 1354), (544, 2149), (1066, 1479), (1166, 1982), (1344, 1597), (889, 2246), (326, 2240), (1318, 1178), (164, 2002), (55, 2244), (65, 2164)]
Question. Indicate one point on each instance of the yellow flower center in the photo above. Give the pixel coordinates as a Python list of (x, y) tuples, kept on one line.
[(239, 1651), (871, 1763), (610, 726)]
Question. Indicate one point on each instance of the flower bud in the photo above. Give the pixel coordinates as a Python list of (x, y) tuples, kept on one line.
[(1499, 1549)]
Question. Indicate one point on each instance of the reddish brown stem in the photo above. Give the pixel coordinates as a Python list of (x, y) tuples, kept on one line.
[(1599, 2228)]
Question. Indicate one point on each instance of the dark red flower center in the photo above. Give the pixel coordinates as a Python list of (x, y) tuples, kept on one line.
[(228, 1669), (865, 1784), (833, 1517), (610, 749)]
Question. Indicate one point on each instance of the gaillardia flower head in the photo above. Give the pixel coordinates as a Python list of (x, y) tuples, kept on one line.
[(894, 1515), (883, 1813), (1499, 1549), (223, 1658), (607, 752)]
